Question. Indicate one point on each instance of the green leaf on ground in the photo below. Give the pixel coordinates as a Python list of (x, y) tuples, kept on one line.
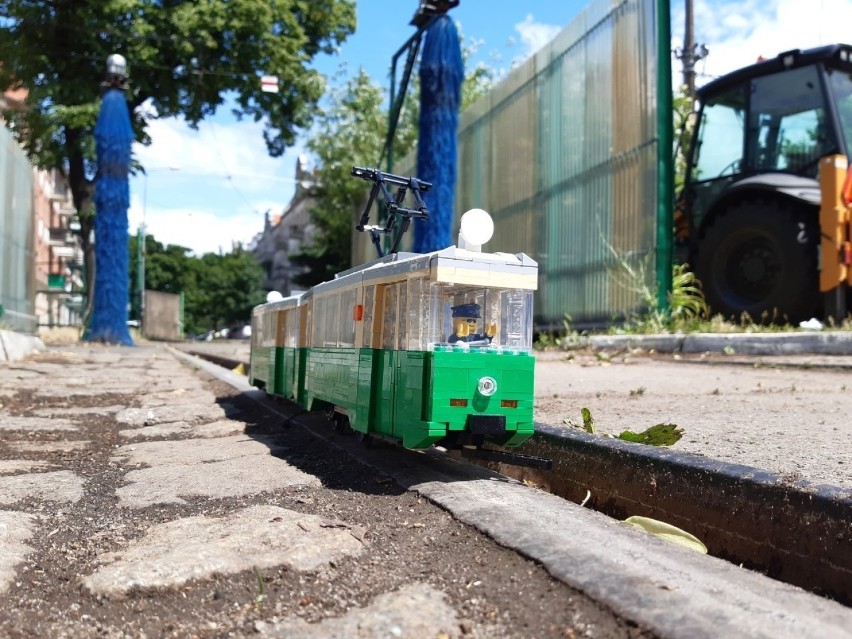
[(659, 435)]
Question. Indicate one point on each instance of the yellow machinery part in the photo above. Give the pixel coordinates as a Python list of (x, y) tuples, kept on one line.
[(834, 222)]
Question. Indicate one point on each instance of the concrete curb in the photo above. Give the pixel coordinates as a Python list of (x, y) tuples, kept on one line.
[(16, 346), (796, 532), (817, 343)]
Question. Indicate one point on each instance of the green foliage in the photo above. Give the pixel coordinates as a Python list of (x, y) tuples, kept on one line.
[(588, 420), (184, 58), (568, 337), (683, 125), (351, 131), (219, 290), (659, 435), (686, 304), (686, 299), (478, 80)]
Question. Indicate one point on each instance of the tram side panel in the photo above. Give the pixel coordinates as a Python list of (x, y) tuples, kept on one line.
[(262, 348)]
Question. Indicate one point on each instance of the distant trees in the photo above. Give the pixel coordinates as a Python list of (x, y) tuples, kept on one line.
[(219, 290), (350, 131)]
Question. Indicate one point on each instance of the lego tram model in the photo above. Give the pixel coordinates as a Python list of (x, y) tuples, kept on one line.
[(419, 349)]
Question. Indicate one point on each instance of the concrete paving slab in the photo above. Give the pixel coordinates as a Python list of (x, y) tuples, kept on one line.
[(76, 410), (177, 396), (63, 446), (193, 451), (36, 424), (212, 468), (219, 428), (792, 422), (199, 547), (59, 486), (16, 528), (87, 387), (416, 610), (12, 466), (192, 412)]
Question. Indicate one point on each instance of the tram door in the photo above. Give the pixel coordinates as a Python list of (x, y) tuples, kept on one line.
[(385, 358)]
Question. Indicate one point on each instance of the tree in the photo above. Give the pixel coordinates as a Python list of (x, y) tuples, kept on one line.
[(185, 58), (219, 290), (351, 131)]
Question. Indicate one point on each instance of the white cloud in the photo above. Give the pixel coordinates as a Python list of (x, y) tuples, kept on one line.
[(534, 35), (209, 187), (199, 230), (738, 33)]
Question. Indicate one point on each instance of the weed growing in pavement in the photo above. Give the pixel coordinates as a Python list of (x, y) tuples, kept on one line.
[(657, 435), (687, 310), (567, 337), (261, 588)]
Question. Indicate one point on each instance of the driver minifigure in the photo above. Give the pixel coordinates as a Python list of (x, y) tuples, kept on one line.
[(465, 320)]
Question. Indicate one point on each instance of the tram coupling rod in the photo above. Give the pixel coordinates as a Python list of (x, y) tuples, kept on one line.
[(515, 459)]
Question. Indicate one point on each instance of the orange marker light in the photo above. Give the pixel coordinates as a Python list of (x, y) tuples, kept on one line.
[(458, 402), (509, 403), (358, 312)]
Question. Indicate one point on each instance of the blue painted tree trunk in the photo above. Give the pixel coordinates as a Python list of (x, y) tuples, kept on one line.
[(113, 138), (441, 75)]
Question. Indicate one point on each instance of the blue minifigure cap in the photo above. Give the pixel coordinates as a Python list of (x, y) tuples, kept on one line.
[(467, 310)]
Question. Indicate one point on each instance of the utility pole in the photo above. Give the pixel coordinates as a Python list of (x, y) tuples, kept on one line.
[(690, 53)]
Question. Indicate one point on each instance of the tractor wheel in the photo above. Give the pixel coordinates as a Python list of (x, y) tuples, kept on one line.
[(760, 257)]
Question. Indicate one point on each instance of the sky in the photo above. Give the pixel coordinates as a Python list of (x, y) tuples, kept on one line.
[(208, 188)]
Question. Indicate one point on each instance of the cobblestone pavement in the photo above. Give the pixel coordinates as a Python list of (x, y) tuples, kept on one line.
[(140, 497)]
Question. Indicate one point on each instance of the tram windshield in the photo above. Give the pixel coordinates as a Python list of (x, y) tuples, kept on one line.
[(462, 317)]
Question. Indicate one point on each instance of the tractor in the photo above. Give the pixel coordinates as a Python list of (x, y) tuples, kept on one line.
[(764, 215)]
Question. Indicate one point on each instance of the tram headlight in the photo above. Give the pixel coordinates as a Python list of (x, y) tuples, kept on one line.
[(487, 386)]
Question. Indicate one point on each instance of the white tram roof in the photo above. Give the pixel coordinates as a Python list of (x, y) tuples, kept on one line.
[(451, 265), (291, 301)]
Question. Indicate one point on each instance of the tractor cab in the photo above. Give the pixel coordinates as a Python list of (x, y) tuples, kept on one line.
[(752, 196)]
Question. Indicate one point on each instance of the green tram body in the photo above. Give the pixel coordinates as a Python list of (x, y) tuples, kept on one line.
[(372, 347)]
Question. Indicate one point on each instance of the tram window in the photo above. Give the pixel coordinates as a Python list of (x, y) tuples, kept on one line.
[(331, 320), (476, 317), (403, 315), (368, 317), (345, 318), (268, 323), (291, 330), (389, 318), (418, 314), (281, 327)]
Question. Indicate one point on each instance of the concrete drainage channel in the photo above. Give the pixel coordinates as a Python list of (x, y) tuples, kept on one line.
[(791, 531)]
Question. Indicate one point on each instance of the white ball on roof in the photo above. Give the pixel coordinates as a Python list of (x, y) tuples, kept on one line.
[(477, 227)]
